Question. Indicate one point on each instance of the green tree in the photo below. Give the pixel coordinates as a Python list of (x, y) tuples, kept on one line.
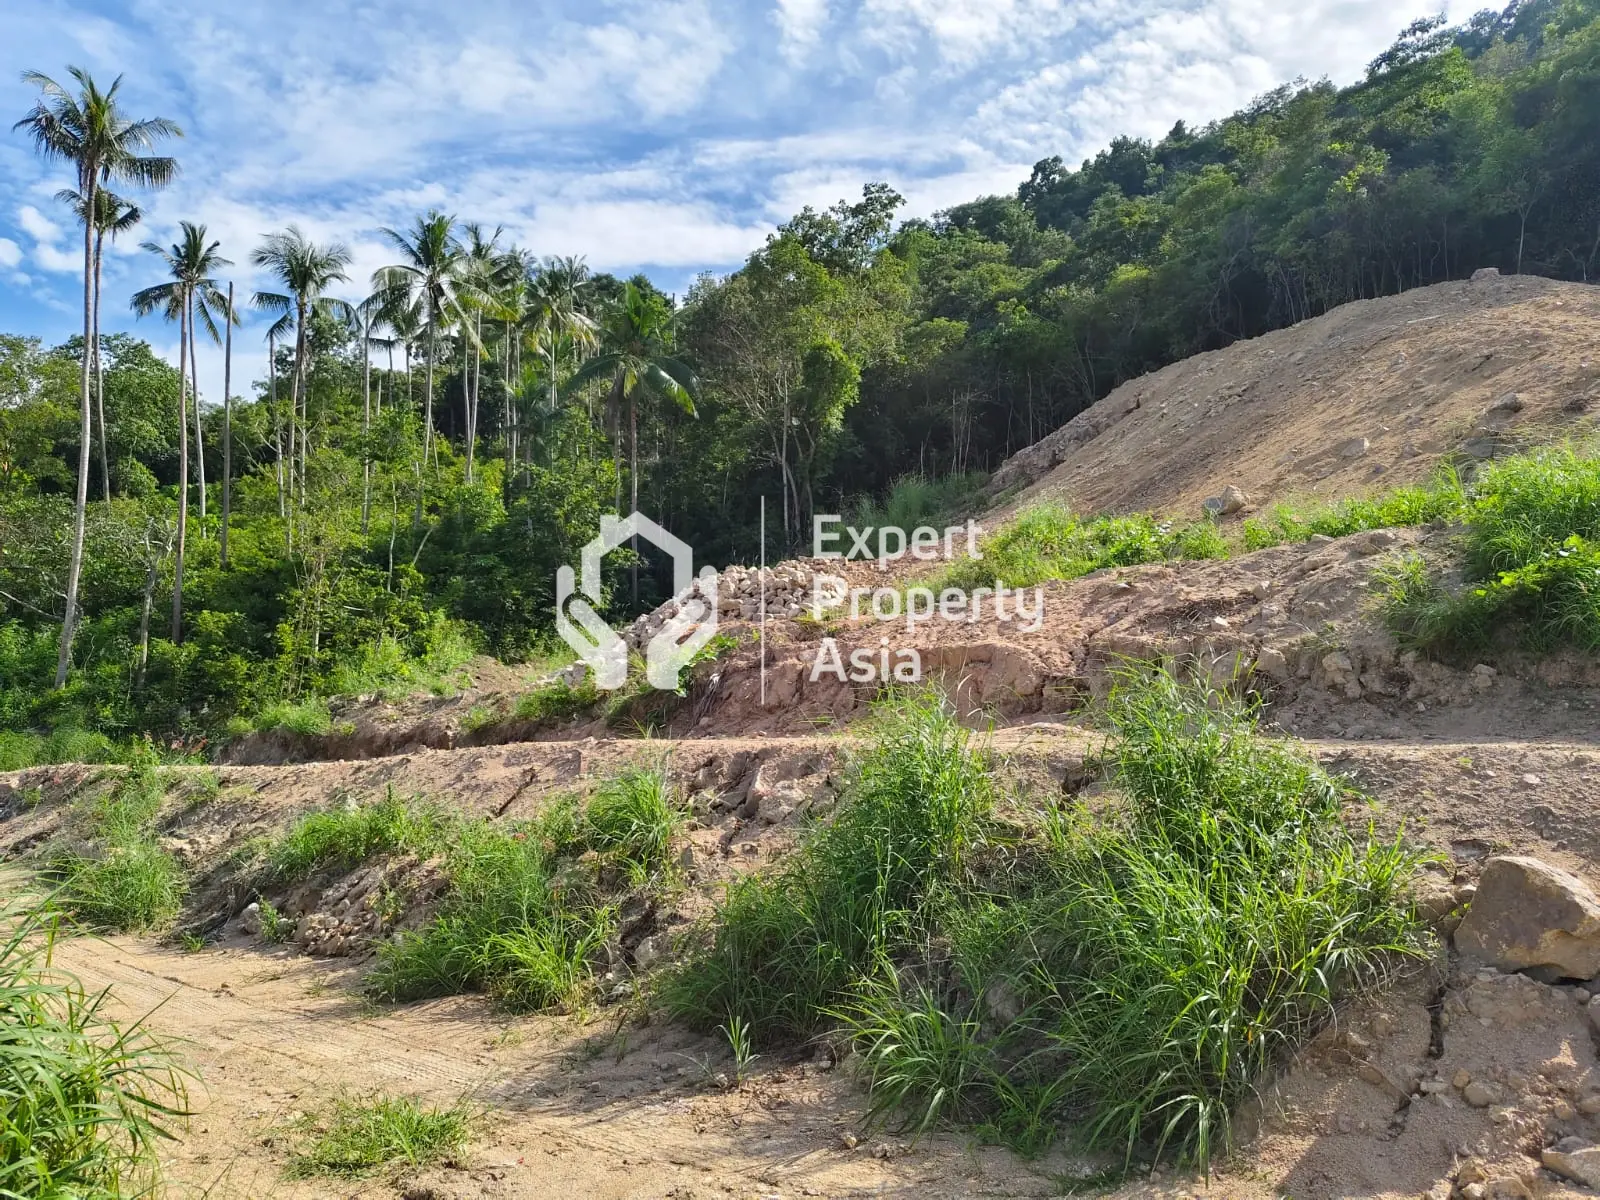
[(91, 132), (190, 297)]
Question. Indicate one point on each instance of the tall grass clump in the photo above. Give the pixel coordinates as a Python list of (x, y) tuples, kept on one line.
[(527, 913), (19, 749), (116, 877), (786, 946), (1442, 498), (1530, 564), (557, 701), (346, 837), (84, 1102), (305, 718), (917, 500), (1149, 967), (1048, 542), (353, 1138)]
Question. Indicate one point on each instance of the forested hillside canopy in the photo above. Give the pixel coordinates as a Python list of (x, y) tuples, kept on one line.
[(430, 445)]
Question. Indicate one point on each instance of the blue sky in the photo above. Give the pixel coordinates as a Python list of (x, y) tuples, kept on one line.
[(660, 135)]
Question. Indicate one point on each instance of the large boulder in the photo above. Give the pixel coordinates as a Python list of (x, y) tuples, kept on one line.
[(1527, 913)]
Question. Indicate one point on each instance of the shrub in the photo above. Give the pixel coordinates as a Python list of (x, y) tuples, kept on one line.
[(557, 701), (916, 500), (354, 1137), (84, 1102)]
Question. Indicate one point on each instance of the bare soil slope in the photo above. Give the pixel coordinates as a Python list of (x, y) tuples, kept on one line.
[(1415, 376)]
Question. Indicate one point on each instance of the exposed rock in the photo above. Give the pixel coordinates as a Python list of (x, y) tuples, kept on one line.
[(1479, 1094), (1527, 913), (250, 919), (1354, 448), (1510, 402), (1594, 1013), (1483, 273), (1227, 502), (1574, 1159)]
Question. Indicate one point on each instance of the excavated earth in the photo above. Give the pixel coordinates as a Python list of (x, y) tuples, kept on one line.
[(1452, 1081)]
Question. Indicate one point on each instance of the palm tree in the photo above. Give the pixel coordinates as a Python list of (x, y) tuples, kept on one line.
[(191, 295), (558, 297), (635, 339), (91, 132), (426, 279), (113, 215), (306, 271)]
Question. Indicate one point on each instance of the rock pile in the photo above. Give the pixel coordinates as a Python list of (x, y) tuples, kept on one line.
[(788, 594)]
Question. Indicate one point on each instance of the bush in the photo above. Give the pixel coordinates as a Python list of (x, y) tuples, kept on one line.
[(84, 1102), (633, 817), (355, 1137)]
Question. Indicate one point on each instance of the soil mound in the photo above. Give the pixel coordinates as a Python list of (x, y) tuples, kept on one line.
[(1370, 395)]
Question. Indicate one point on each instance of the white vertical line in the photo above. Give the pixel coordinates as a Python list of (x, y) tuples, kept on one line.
[(762, 576)]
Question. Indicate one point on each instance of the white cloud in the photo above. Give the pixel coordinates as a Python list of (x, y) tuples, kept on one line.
[(10, 253), (36, 225), (800, 25)]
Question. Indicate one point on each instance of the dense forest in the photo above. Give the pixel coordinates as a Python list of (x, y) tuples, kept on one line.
[(429, 445)]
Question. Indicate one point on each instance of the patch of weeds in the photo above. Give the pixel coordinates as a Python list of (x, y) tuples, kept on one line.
[(506, 926), (353, 1137), (633, 817), (88, 1102), (275, 927), (786, 947), (117, 877), (480, 716), (20, 749), (1130, 974), (916, 500), (1443, 498), (1048, 542), (557, 701), (1530, 564), (346, 837), (190, 942), (307, 718)]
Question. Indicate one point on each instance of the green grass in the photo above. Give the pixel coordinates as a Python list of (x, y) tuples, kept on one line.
[(786, 946), (19, 750), (85, 1103), (1129, 975), (354, 1138), (307, 718), (529, 907), (1530, 565), (557, 701), (117, 877), (915, 500), (346, 837), (1048, 542), (1443, 498)]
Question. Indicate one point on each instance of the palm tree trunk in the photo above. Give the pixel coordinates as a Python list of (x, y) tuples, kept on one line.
[(85, 432), (199, 441), (366, 421), (277, 418), (227, 427), (427, 411), (183, 482), (633, 483), (99, 370)]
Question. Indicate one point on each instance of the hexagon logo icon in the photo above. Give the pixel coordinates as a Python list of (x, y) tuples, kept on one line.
[(599, 646)]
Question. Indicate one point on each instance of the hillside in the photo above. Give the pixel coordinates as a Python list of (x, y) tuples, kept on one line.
[(1417, 377)]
